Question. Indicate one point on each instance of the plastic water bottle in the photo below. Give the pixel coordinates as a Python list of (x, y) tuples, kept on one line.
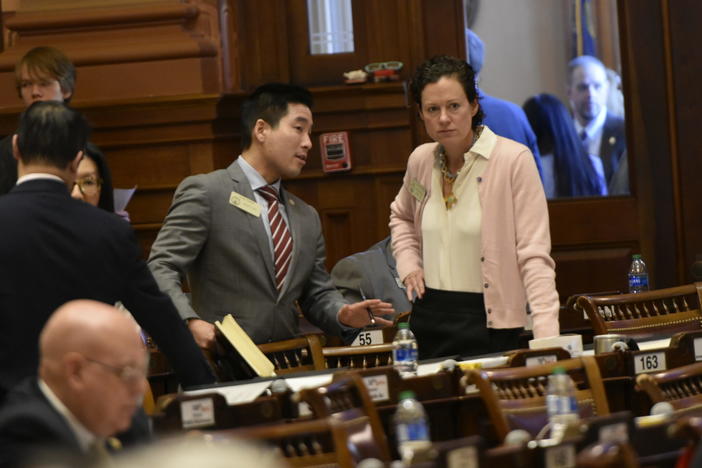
[(411, 426), (638, 275), (561, 404), (404, 351)]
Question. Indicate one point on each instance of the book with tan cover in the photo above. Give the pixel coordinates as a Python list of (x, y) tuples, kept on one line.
[(234, 339)]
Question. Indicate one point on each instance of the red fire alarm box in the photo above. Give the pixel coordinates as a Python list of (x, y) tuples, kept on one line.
[(336, 152)]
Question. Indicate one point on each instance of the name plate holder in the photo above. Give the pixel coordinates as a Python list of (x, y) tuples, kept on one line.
[(644, 362)]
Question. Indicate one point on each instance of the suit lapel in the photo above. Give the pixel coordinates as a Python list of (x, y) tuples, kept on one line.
[(606, 148), (242, 186)]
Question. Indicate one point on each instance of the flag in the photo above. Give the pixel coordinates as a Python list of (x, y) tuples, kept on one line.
[(584, 33)]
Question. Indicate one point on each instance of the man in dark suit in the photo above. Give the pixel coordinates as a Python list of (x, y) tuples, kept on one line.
[(371, 274), (248, 247), (92, 377), (603, 134), (54, 249)]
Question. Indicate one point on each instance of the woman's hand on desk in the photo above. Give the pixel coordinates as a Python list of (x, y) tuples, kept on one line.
[(357, 315), (203, 332), (414, 285)]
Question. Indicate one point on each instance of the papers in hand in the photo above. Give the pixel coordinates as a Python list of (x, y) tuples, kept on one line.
[(242, 350), (122, 197)]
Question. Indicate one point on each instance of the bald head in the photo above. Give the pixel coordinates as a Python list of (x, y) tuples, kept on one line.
[(93, 359), (87, 327)]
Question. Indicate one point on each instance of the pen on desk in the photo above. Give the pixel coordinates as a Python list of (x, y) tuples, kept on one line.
[(370, 314)]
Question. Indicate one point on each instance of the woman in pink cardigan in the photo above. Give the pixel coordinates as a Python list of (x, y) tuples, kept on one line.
[(469, 226)]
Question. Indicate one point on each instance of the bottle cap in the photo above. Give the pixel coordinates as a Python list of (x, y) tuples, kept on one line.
[(559, 370), (406, 394), (402, 325), (636, 256)]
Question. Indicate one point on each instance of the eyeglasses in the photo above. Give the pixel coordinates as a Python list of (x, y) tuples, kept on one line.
[(128, 374), (89, 185), (392, 65)]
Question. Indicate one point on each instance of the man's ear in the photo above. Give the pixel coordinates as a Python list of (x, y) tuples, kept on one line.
[(76, 161), (15, 149), (260, 130)]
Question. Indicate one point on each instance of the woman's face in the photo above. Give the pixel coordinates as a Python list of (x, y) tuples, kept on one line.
[(87, 179), (447, 113)]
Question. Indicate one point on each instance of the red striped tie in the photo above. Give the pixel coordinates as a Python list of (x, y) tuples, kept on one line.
[(282, 240)]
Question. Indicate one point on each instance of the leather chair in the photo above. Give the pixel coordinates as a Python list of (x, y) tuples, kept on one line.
[(646, 315), (516, 397)]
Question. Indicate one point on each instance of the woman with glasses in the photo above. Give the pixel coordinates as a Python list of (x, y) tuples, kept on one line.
[(94, 181), (469, 226)]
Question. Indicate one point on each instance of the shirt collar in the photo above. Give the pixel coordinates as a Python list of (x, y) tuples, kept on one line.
[(255, 179), (85, 438), (483, 146), (595, 124), (38, 176)]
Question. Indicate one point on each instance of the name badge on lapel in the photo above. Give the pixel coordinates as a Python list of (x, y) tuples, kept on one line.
[(417, 190), (245, 204)]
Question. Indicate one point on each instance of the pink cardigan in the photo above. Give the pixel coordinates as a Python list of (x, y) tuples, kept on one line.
[(516, 243)]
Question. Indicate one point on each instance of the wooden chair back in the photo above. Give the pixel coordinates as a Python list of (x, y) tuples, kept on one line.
[(516, 397), (263, 410), (646, 315), (318, 442), (532, 357), (295, 355), (681, 387), (358, 357), (607, 455), (346, 399)]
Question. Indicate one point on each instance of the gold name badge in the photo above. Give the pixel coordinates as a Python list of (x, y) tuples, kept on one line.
[(245, 204), (417, 190)]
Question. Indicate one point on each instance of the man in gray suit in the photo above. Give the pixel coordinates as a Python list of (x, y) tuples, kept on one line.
[(247, 246), (373, 274)]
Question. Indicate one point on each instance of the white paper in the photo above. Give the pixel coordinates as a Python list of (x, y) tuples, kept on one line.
[(234, 394), (122, 197)]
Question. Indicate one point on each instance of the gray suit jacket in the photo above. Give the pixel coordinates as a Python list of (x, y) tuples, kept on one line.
[(374, 273), (224, 252)]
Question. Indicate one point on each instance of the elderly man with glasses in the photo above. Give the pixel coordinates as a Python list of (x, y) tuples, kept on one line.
[(92, 377)]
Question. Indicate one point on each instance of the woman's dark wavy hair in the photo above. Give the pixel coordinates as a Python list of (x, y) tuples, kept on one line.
[(439, 66), (107, 199), (555, 133)]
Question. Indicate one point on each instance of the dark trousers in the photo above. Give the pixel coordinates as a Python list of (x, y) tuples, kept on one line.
[(446, 323)]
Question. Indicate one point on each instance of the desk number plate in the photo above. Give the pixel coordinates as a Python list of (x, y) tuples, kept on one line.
[(560, 456), (377, 386), (649, 362), (368, 337), (698, 349), (464, 457), (197, 413), (538, 360)]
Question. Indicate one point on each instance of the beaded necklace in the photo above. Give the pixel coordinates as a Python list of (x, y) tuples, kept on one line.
[(448, 177)]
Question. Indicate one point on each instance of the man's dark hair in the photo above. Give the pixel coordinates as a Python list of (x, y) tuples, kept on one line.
[(269, 102), (47, 62), (51, 133), (439, 66)]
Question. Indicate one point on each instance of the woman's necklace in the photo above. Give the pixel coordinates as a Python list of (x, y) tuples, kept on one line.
[(449, 178)]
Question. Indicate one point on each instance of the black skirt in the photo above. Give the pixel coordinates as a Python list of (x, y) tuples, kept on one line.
[(447, 323)]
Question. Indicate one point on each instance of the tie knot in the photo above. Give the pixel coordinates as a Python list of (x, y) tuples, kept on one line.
[(269, 193)]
